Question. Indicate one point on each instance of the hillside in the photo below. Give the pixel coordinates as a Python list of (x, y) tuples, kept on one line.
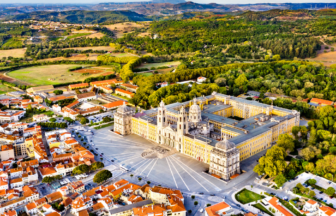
[(81, 17)]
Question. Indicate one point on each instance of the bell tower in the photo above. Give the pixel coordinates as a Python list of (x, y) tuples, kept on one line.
[(182, 127), (161, 121)]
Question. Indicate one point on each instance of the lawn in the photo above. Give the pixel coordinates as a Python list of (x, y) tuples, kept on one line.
[(156, 65), (50, 74), (16, 53), (262, 208), (12, 42), (77, 35), (103, 126), (144, 74), (247, 196)]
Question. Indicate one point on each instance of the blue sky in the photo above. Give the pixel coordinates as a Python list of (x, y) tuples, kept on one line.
[(197, 1)]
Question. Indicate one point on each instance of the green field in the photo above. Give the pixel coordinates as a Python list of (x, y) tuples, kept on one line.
[(156, 65), (247, 196), (77, 35), (144, 74), (12, 42), (49, 74), (4, 89), (123, 54)]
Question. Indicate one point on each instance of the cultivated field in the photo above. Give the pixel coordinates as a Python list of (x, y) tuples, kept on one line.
[(108, 48), (123, 54), (16, 53), (96, 35), (75, 57), (156, 65), (51, 74), (120, 29)]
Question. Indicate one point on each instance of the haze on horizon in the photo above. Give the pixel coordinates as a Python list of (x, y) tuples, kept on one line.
[(196, 1)]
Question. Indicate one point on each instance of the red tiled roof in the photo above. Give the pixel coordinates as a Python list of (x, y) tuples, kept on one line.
[(321, 101)]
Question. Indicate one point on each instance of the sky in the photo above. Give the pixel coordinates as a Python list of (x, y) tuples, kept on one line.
[(197, 1)]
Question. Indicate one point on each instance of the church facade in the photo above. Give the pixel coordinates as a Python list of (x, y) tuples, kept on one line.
[(218, 129)]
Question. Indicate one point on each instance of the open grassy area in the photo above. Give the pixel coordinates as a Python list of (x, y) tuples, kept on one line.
[(51, 74), (4, 89), (156, 65), (12, 42), (123, 54), (262, 208), (16, 53), (144, 74), (247, 196)]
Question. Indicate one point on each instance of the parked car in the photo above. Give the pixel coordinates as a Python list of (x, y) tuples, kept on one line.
[(201, 193)]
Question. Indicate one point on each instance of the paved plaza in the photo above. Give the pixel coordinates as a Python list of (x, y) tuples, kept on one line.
[(176, 171)]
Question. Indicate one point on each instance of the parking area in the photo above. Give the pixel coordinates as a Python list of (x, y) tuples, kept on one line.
[(99, 117)]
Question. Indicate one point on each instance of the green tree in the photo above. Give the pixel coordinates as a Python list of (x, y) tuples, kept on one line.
[(312, 193), (276, 57), (84, 120), (280, 180), (330, 191), (286, 141), (195, 203), (101, 176), (273, 163), (310, 152), (241, 80), (97, 165), (58, 92), (52, 120), (311, 181), (83, 168)]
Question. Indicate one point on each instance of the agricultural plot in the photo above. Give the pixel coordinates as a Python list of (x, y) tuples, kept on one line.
[(16, 53), (108, 48), (120, 29), (12, 42), (52, 74), (163, 64)]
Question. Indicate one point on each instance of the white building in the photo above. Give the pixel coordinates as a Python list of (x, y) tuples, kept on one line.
[(310, 208), (326, 211), (123, 120)]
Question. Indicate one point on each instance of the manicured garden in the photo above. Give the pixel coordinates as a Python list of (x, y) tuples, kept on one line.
[(247, 196)]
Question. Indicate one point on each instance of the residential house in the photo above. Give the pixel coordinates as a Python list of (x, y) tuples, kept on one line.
[(279, 209), (7, 152), (219, 209), (31, 209), (16, 183)]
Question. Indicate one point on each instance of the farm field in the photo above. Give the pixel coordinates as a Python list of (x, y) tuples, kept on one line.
[(108, 48), (16, 53), (123, 54), (156, 65), (51, 74), (327, 59), (96, 35), (12, 42), (119, 28), (73, 58)]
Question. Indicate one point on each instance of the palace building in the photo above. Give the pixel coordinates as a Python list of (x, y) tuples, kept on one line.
[(218, 129)]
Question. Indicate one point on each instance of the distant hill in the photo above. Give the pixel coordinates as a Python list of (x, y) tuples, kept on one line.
[(81, 17)]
